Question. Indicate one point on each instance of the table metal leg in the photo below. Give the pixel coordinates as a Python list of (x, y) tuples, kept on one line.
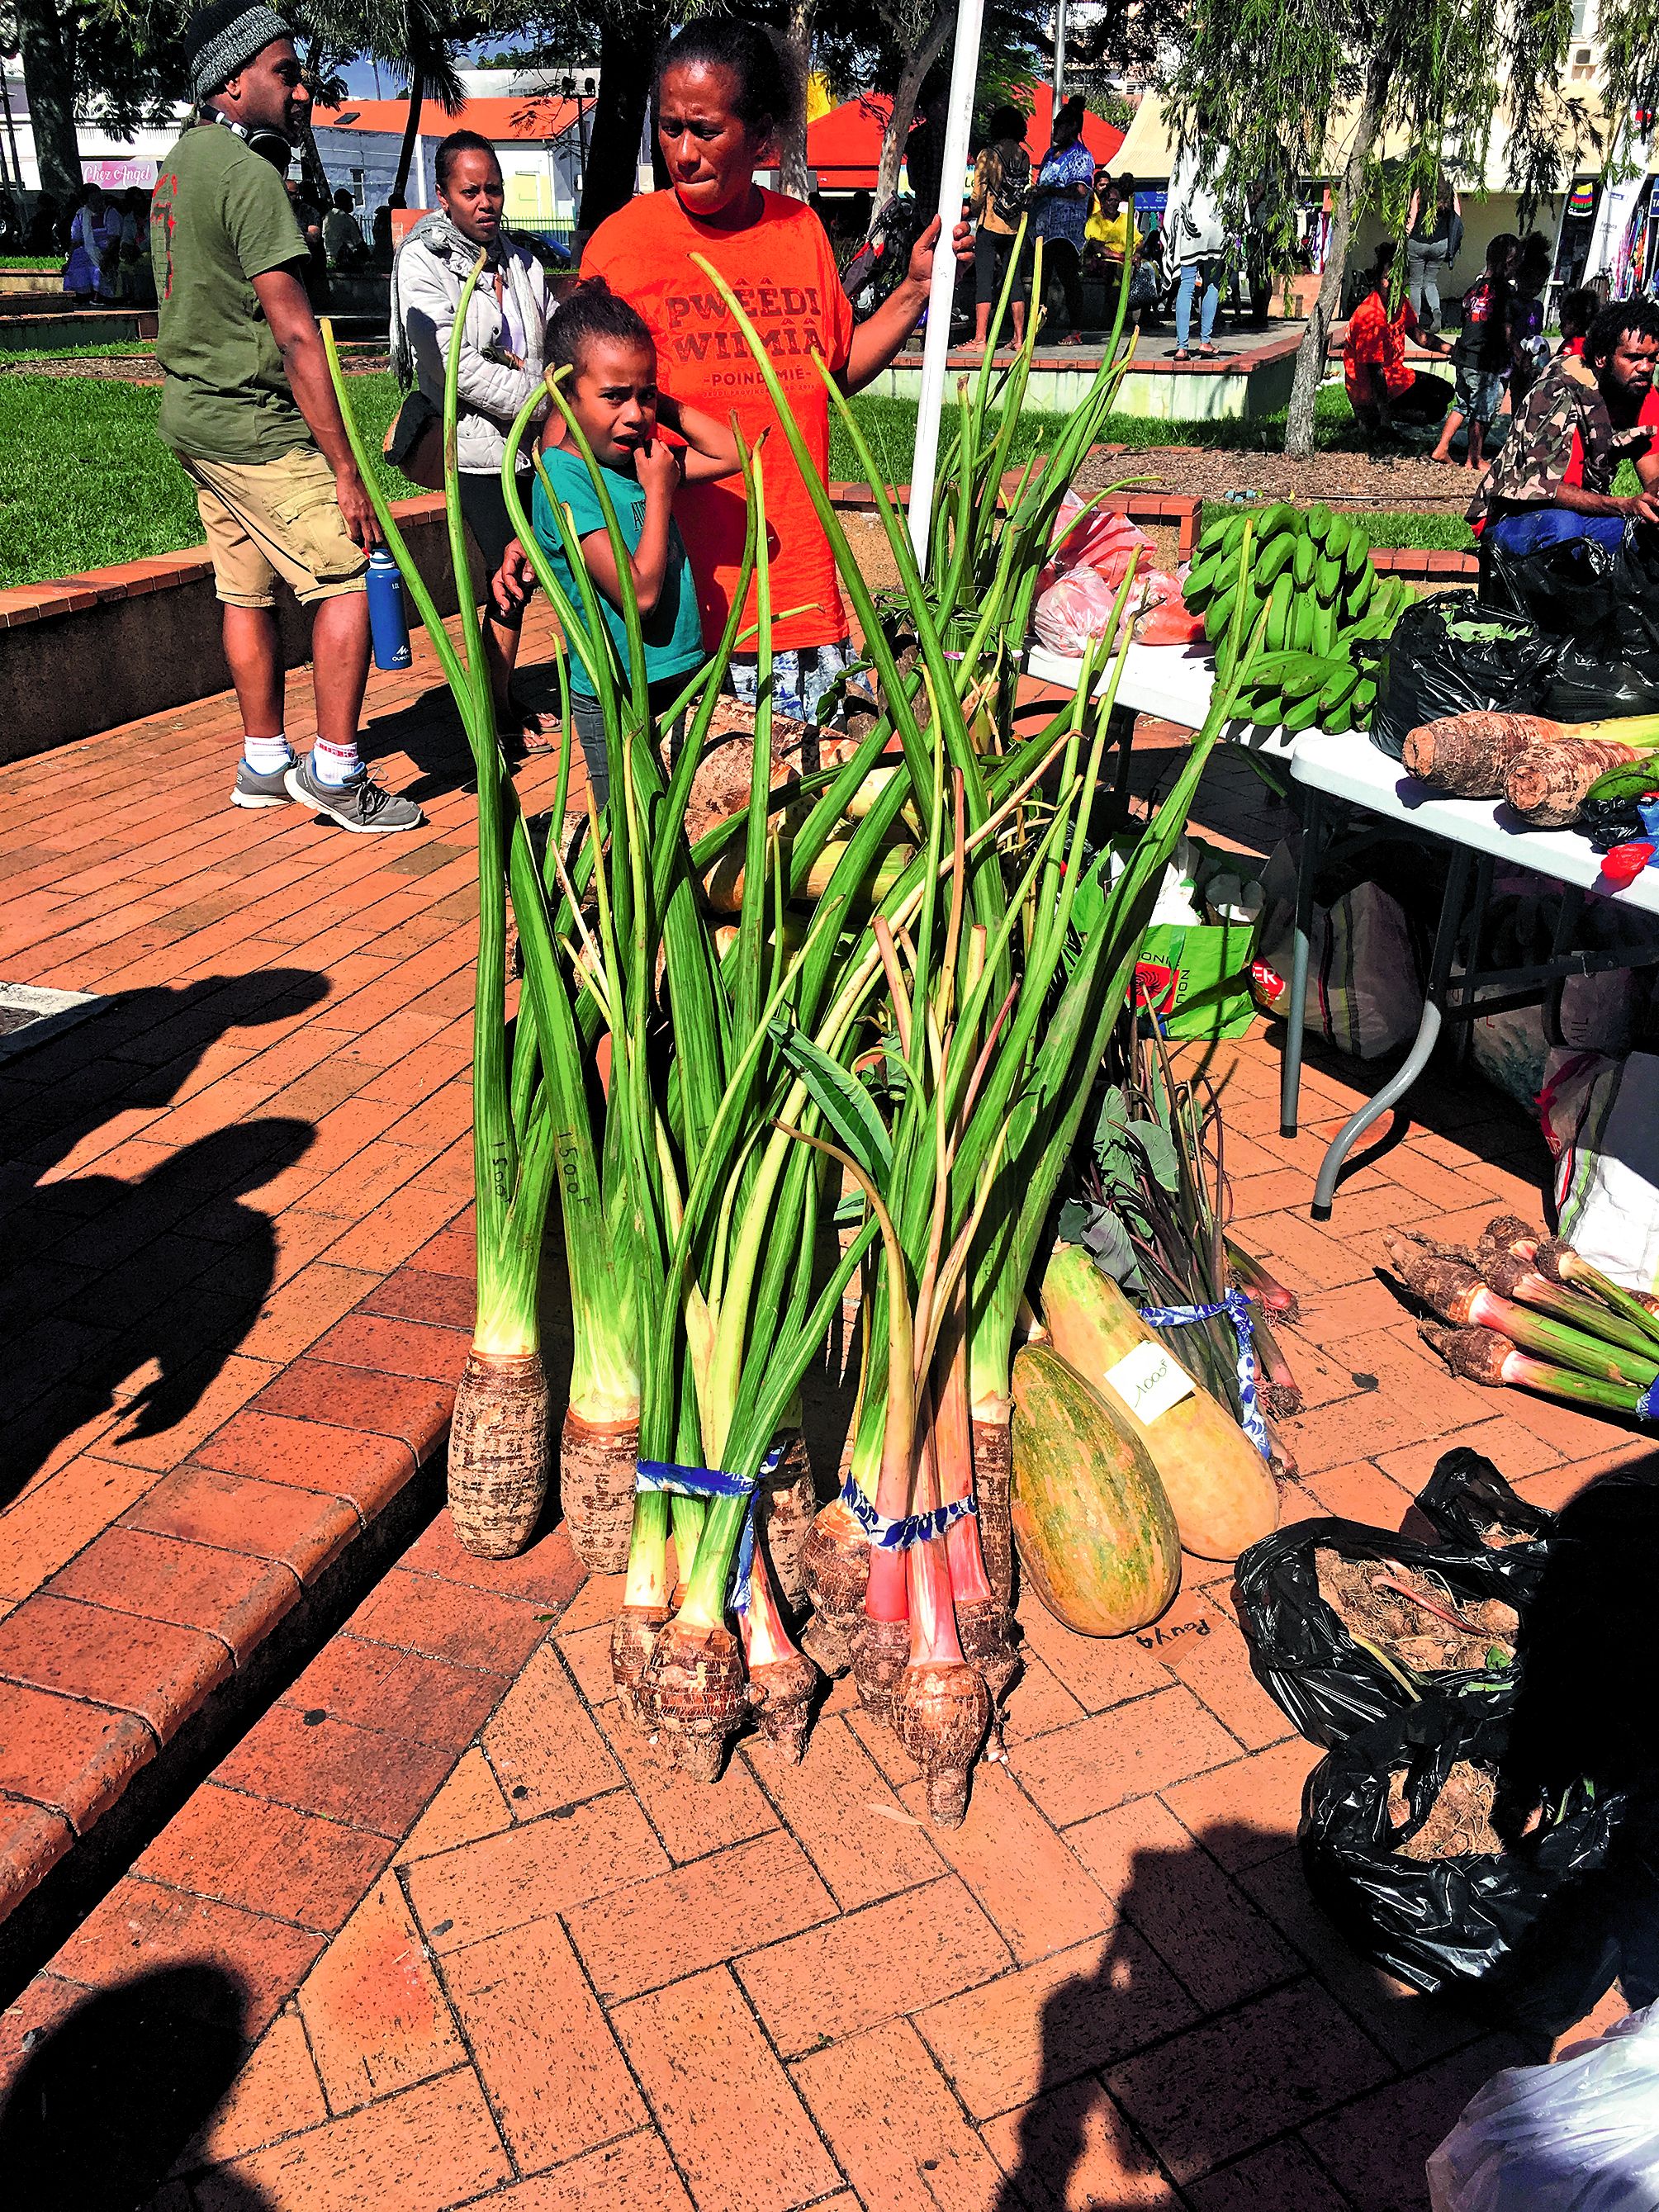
[(1290, 1072), (1483, 875), (1428, 1032)]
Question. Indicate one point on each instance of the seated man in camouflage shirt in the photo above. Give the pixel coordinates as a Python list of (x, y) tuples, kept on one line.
[(1553, 479)]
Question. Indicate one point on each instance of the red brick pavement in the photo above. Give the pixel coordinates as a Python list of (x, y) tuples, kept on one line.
[(436, 1928)]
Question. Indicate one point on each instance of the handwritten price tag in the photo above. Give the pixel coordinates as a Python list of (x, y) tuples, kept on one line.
[(1149, 1380)]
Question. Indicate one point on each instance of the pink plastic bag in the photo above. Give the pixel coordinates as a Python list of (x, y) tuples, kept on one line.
[(1076, 607), (1100, 539)]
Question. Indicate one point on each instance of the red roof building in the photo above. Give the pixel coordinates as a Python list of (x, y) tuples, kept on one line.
[(844, 147)]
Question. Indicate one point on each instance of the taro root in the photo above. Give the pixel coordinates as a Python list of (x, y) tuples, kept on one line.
[(632, 1640), (881, 1651), (993, 1470), (498, 1453), (597, 1465), (782, 1684), (788, 1505), (1466, 755), (697, 1695), (940, 1716), (835, 1562)]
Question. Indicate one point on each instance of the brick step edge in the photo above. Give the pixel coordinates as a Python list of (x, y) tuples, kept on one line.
[(149, 1730)]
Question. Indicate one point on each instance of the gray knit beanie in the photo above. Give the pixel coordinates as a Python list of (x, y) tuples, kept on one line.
[(222, 38)]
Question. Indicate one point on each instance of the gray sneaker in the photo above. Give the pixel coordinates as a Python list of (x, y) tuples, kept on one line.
[(252, 789), (360, 804)]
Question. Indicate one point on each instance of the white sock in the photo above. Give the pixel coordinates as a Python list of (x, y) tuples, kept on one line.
[(336, 764), (268, 756)]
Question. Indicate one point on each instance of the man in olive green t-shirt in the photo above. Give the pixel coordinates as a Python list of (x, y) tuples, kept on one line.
[(251, 413)]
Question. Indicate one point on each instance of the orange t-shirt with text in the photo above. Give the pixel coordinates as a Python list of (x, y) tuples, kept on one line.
[(783, 272)]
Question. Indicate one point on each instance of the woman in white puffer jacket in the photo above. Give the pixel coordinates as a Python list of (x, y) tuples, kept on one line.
[(503, 355)]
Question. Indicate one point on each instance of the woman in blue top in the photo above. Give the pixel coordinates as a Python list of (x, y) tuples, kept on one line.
[(612, 390), (1060, 211)]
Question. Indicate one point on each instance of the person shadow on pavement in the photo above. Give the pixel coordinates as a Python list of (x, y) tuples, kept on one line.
[(109, 2096), (177, 1305), (139, 1049)]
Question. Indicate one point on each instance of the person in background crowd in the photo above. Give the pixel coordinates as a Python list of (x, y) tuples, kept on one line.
[(1059, 204), (1553, 479), (1434, 239), (43, 235), (309, 216), (1482, 352), (502, 356), (1579, 309), (1530, 351), (1383, 391), (135, 277), (720, 99), (379, 237), (1196, 238), (342, 235), (92, 236), (249, 409), (1002, 174)]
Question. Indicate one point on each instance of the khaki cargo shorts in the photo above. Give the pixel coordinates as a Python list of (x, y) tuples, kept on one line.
[(273, 519)]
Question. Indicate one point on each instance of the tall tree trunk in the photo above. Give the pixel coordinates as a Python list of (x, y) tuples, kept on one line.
[(796, 177), (626, 43), (48, 80), (411, 132), (1310, 354), (312, 172), (921, 59)]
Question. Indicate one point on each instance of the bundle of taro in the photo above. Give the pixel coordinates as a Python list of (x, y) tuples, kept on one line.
[(1524, 1310), (913, 1010)]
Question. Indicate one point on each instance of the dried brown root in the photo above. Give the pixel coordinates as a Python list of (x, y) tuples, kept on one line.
[(781, 1694), (1283, 1401), (632, 1640), (940, 1715), (788, 1504), (881, 1652), (993, 1471), (835, 1564), (498, 1453), (598, 1460), (697, 1694)]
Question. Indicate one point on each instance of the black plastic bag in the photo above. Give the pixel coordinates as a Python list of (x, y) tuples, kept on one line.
[(1585, 689), (1568, 589), (1303, 1656), (1466, 1499), (1533, 1928), (1450, 655)]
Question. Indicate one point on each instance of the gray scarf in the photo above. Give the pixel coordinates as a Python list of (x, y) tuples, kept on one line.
[(439, 235)]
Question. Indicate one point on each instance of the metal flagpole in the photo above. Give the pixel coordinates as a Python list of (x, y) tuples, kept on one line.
[(1059, 53), (964, 76)]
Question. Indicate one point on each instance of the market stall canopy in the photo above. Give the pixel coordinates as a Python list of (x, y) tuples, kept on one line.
[(844, 146), (535, 118), (1148, 151)]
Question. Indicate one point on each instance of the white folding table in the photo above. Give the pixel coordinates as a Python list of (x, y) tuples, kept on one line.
[(1477, 833), (1175, 685)]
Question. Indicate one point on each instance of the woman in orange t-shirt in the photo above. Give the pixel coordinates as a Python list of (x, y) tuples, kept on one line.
[(720, 98)]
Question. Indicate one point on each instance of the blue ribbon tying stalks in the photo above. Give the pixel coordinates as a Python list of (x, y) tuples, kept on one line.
[(1647, 1405), (661, 1474), (914, 1529), (1237, 1307)]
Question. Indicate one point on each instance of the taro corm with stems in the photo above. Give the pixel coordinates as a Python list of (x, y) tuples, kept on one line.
[(1482, 1355), (498, 1450), (1457, 1294)]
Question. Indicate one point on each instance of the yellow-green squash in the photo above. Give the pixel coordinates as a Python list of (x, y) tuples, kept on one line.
[(1091, 1523), (1223, 1491)]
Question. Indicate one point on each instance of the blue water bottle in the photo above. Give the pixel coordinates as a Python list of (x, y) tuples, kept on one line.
[(388, 624)]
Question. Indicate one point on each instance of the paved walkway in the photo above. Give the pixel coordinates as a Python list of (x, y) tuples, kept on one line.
[(435, 1930)]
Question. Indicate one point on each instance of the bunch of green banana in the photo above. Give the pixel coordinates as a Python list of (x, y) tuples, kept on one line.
[(1311, 575)]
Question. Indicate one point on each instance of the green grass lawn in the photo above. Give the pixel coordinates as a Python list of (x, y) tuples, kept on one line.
[(88, 484), (34, 265)]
